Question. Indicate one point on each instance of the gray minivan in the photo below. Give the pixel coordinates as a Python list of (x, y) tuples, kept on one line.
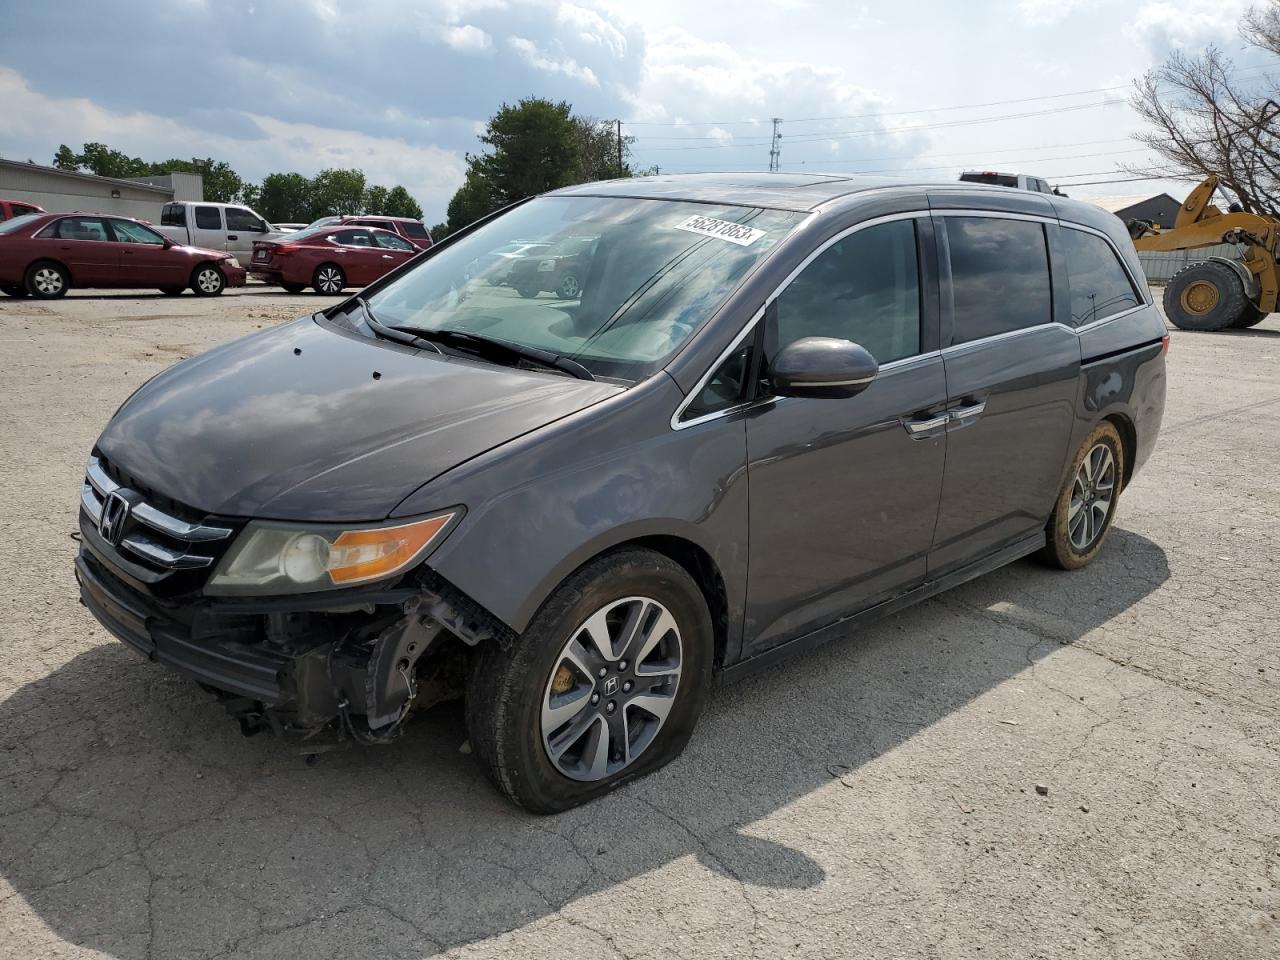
[(774, 407)]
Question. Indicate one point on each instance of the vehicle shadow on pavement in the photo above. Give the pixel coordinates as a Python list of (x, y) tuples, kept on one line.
[(138, 822)]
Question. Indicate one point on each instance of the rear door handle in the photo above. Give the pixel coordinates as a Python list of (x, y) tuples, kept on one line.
[(387, 256), (924, 426), (965, 416), (232, 236)]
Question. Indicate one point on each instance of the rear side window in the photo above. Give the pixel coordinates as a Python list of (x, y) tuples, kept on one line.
[(1100, 287), (208, 218), (173, 215), (354, 238), (21, 209), (995, 179), (413, 228), (388, 240), (999, 276), (864, 288), (80, 228)]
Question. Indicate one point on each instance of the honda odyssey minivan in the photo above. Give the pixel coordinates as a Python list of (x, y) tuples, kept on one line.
[(774, 407)]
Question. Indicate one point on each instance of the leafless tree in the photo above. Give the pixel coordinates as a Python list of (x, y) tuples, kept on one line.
[(1208, 117)]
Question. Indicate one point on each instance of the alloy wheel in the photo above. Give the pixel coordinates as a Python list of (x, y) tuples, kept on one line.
[(1091, 497), (569, 287), (329, 279), (208, 280), (611, 688), (47, 281)]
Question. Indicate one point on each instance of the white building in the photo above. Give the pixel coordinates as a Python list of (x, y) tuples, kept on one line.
[(60, 191)]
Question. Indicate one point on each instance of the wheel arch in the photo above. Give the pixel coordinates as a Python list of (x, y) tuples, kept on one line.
[(55, 261), (1128, 443)]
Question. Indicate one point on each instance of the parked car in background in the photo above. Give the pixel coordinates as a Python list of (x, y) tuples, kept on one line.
[(415, 231), (783, 406), (560, 268), (288, 227), (46, 254), (329, 258), (1018, 180), (228, 227), (17, 208), (494, 266)]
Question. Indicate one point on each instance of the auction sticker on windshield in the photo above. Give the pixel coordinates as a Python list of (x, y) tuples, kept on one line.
[(737, 233)]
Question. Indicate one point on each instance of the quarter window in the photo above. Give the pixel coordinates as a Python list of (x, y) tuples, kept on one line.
[(208, 218), (80, 228), (864, 288), (999, 276), (1100, 287), (727, 386), (390, 241)]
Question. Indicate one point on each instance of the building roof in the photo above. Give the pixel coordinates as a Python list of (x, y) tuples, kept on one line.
[(91, 177)]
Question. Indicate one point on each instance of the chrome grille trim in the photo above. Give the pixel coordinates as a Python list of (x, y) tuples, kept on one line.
[(162, 556), (157, 520)]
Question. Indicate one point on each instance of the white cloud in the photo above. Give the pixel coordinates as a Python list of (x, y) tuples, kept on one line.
[(1186, 23), (429, 173), (593, 28), (467, 38), (536, 58), (1041, 13)]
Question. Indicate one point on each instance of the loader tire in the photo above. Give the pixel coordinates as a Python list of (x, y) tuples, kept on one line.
[(1205, 296), (1251, 316)]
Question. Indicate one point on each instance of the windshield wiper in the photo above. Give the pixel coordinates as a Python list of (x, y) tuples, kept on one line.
[(491, 345), (395, 334)]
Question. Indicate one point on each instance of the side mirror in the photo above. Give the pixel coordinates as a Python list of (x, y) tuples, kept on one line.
[(168, 243), (822, 367)]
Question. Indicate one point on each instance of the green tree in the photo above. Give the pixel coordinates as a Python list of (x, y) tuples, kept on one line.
[(598, 151), (400, 204), (533, 148), (337, 193), (472, 201), (221, 183), (285, 198), (66, 158), (439, 232), (100, 159), (375, 200)]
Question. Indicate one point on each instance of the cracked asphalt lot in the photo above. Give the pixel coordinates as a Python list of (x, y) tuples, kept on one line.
[(877, 798)]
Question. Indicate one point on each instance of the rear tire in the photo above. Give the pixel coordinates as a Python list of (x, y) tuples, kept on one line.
[(527, 290), (293, 287), (15, 290), (47, 280), (329, 279), (207, 281), (1205, 296), (1086, 507), (513, 693)]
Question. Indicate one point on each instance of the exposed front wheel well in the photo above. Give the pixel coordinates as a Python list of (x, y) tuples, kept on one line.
[(705, 573)]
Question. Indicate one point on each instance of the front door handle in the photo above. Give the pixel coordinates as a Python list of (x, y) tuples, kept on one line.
[(965, 416), (924, 429), (387, 256)]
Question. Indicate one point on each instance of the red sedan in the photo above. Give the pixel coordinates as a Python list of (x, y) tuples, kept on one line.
[(46, 254), (329, 258)]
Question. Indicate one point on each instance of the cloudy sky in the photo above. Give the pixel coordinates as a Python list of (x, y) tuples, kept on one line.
[(400, 89)]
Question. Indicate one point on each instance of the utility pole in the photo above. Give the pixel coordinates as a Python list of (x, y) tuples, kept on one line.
[(775, 149), (619, 148)]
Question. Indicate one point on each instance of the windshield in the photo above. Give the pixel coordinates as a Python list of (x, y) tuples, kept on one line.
[(616, 284), (17, 223)]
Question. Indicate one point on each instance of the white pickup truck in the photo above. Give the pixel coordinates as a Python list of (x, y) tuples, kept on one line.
[(216, 226)]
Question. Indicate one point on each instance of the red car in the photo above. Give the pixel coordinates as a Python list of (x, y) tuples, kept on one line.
[(329, 258), (414, 231), (46, 254), (17, 208)]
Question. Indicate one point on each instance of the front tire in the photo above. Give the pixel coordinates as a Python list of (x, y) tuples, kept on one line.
[(293, 287), (47, 280), (172, 291), (207, 281), (329, 279), (1086, 507), (1205, 296), (569, 287), (604, 686)]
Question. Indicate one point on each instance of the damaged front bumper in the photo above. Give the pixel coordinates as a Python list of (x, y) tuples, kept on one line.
[(297, 664)]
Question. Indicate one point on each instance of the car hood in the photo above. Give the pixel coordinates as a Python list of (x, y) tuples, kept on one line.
[(302, 422)]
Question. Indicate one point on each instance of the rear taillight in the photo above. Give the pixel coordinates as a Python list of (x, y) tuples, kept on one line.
[(1164, 344)]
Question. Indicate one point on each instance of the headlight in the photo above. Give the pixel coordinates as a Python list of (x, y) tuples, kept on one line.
[(278, 558)]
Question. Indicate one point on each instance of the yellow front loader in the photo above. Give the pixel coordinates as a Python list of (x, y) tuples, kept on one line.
[(1219, 292)]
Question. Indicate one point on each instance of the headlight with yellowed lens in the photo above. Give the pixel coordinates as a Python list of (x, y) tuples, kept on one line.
[(283, 558)]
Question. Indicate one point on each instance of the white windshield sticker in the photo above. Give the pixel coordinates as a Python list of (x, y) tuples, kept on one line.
[(737, 233)]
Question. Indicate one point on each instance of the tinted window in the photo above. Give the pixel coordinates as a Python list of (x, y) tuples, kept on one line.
[(128, 232), (727, 386), (80, 228), (173, 215), (390, 241), (999, 276), (208, 218), (354, 238), (1099, 285), (238, 219), (21, 209), (995, 179), (865, 288), (413, 228)]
